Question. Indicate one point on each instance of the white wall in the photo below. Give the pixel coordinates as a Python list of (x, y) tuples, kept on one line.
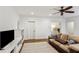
[(63, 26), (75, 19), (43, 25), (43, 28), (8, 18), (8, 21)]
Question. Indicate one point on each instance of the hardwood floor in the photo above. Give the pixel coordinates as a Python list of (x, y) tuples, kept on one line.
[(38, 47), (37, 44)]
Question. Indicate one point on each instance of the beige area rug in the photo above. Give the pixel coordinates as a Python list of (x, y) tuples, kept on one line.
[(38, 47)]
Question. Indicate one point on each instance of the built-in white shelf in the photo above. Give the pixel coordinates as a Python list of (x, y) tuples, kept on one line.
[(18, 47), (16, 44), (12, 45)]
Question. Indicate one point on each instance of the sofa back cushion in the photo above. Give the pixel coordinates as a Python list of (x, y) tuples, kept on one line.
[(76, 38), (64, 37), (62, 41)]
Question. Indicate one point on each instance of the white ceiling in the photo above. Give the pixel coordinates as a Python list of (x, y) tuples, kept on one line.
[(43, 11)]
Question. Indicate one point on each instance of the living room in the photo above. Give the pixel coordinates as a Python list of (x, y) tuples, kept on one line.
[(35, 24)]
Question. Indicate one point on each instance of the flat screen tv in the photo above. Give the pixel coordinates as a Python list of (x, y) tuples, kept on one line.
[(6, 37)]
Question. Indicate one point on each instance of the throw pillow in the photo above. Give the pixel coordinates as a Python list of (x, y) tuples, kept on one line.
[(61, 41)]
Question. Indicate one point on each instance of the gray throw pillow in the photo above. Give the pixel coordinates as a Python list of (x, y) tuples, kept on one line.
[(71, 41)]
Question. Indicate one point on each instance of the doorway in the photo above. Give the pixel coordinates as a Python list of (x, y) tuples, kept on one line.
[(30, 30)]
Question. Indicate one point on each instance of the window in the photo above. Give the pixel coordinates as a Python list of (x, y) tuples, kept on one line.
[(70, 27)]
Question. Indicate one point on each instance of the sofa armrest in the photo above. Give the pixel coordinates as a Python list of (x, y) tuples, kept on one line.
[(59, 46), (74, 48)]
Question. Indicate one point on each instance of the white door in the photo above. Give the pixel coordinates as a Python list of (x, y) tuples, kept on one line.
[(31, 30)]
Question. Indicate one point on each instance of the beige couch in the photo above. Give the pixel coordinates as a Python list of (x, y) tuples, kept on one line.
[(74, 48), (60, 44)]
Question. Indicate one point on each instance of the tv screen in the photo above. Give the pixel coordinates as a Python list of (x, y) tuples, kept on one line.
[(6, 37)]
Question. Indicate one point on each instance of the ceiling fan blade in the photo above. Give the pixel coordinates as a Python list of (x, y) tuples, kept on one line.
[(56, 12), (68, 8), (61, 13), (55, 9), (69, 11)]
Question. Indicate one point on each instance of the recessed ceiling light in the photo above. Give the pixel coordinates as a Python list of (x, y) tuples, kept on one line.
[(32, 13), (50, 14)]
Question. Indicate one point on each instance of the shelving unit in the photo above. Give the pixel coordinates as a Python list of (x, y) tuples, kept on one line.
[(11, 46), (14, 46), (18, 47)]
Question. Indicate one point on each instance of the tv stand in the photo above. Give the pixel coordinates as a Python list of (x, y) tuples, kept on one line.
[(14, 46)]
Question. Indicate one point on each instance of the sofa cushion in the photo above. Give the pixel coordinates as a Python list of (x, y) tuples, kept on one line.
[(54, 41), (60, 46), (64, 37), (76, 38), (66, 48), (62, 41), (74, 47)]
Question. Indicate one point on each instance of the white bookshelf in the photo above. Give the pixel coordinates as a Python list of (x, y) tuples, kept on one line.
[(8, 48), (13, 46)]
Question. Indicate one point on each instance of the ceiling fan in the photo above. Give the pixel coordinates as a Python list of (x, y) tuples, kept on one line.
[(63, 10)]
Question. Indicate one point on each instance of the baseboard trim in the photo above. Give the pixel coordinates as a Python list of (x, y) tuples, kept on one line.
[(35, 40)]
